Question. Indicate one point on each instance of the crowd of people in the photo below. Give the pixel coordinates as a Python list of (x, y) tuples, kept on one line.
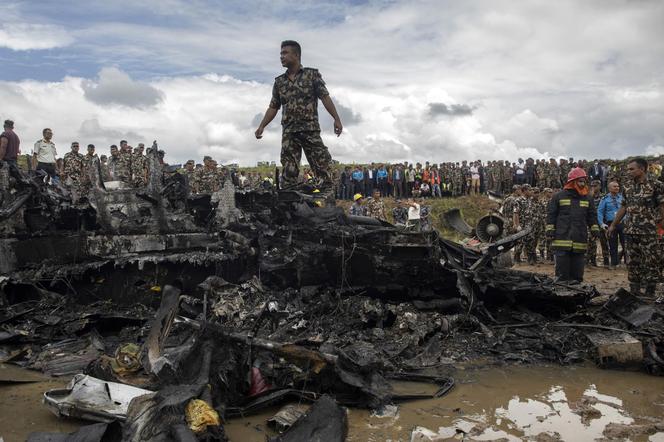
[(530, 188), (431, 180)]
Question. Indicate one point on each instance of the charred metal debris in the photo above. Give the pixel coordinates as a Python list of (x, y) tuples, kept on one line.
[(172, 313)]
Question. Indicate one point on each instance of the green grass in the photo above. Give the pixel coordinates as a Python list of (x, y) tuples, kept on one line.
[(472, 208)]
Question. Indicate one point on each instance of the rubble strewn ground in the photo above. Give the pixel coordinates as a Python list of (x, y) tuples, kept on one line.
[(222, 305)]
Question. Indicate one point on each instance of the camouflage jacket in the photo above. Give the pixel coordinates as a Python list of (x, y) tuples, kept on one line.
[(299, 99), (123, 166), (376, 209), (87, 163), (73, 165), (642, 202), (139, 163), (207, 180)]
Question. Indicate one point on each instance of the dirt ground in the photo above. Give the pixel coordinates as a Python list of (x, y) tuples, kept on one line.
[(606, 280)]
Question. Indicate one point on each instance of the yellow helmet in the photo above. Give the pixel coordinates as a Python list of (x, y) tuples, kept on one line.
[(316, 191), (357, 196)]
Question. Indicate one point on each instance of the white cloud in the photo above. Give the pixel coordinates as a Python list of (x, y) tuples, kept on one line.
[(115, 87), (27, 36), (413, 80)]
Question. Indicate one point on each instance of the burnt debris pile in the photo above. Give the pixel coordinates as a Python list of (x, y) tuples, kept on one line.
[(172, 313)]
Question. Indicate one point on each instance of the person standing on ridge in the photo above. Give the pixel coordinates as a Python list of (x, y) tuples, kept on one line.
[(297, 92)]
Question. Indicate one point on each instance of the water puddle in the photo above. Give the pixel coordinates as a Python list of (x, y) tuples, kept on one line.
[(513, 404)]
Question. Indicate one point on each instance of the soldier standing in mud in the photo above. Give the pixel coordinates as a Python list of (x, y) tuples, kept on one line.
[(643, 202), (298, 91)]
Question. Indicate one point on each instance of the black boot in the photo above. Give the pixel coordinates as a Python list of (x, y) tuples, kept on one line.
[(532, 259), (606, 261)]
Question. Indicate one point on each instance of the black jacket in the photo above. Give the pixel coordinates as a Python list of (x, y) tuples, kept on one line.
[(569, 217)]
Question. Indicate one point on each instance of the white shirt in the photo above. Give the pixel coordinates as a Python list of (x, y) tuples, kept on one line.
[(45, 151), (474, 173), (519, 169), (414, 212)]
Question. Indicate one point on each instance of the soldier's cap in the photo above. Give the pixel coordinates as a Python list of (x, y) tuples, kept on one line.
[(547, 189), (595, 183), (207, 158), (190, 162), (525, 186)]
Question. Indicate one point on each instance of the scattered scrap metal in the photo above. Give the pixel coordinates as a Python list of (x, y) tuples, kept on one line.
[(172, 313)]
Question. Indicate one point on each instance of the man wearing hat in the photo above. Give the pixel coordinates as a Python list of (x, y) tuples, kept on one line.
[(9, 143), (357, 209), (189, 172), (297, 92), (571, 213)]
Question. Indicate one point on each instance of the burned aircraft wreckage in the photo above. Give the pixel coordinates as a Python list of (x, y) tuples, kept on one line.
[(190, 309)]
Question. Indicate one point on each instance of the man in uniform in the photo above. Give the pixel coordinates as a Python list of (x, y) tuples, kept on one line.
[(591, 257), (139, 167), (123, 163), (376, 207), (208, 177), (73, 167), (571, 213), (544, 242), (88, 161), (643, 202), (44, 153), (525, 217), (298, 91), (357, 208), (189, 173)]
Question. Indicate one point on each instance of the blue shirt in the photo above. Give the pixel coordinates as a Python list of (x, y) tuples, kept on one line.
[(608, 206), (381, 174), (358, 175)]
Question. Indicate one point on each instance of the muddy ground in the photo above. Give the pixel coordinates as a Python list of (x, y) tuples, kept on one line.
[(490, 403), (606, 281)]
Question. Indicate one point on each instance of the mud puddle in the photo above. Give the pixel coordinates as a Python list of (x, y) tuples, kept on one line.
[(513, 403)]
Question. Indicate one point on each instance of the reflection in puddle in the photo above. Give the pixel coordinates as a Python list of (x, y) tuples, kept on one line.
[(516, 403)]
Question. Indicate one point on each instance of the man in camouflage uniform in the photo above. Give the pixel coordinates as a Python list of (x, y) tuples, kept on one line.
[(105, 172), (189, 173), (553, 174), (644, 204), (207, 180), (591, 257), (298, 91), (139, 167), (376, 207), (508, 181), (88, 162), (113, 162), (73, 168), (544, 242), (123, 163), (526, 217)]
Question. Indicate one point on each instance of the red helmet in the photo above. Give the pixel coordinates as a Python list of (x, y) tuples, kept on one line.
[(575, 174)]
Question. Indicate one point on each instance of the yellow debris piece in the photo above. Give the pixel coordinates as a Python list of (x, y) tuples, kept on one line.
[(156, 289), (200, 415)]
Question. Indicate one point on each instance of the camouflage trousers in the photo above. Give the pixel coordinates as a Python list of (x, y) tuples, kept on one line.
[(591, 255), (644, 266), (318, 156), (530, 243)]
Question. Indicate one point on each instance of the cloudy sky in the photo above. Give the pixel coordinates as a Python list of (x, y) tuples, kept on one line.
[(413, 80)]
